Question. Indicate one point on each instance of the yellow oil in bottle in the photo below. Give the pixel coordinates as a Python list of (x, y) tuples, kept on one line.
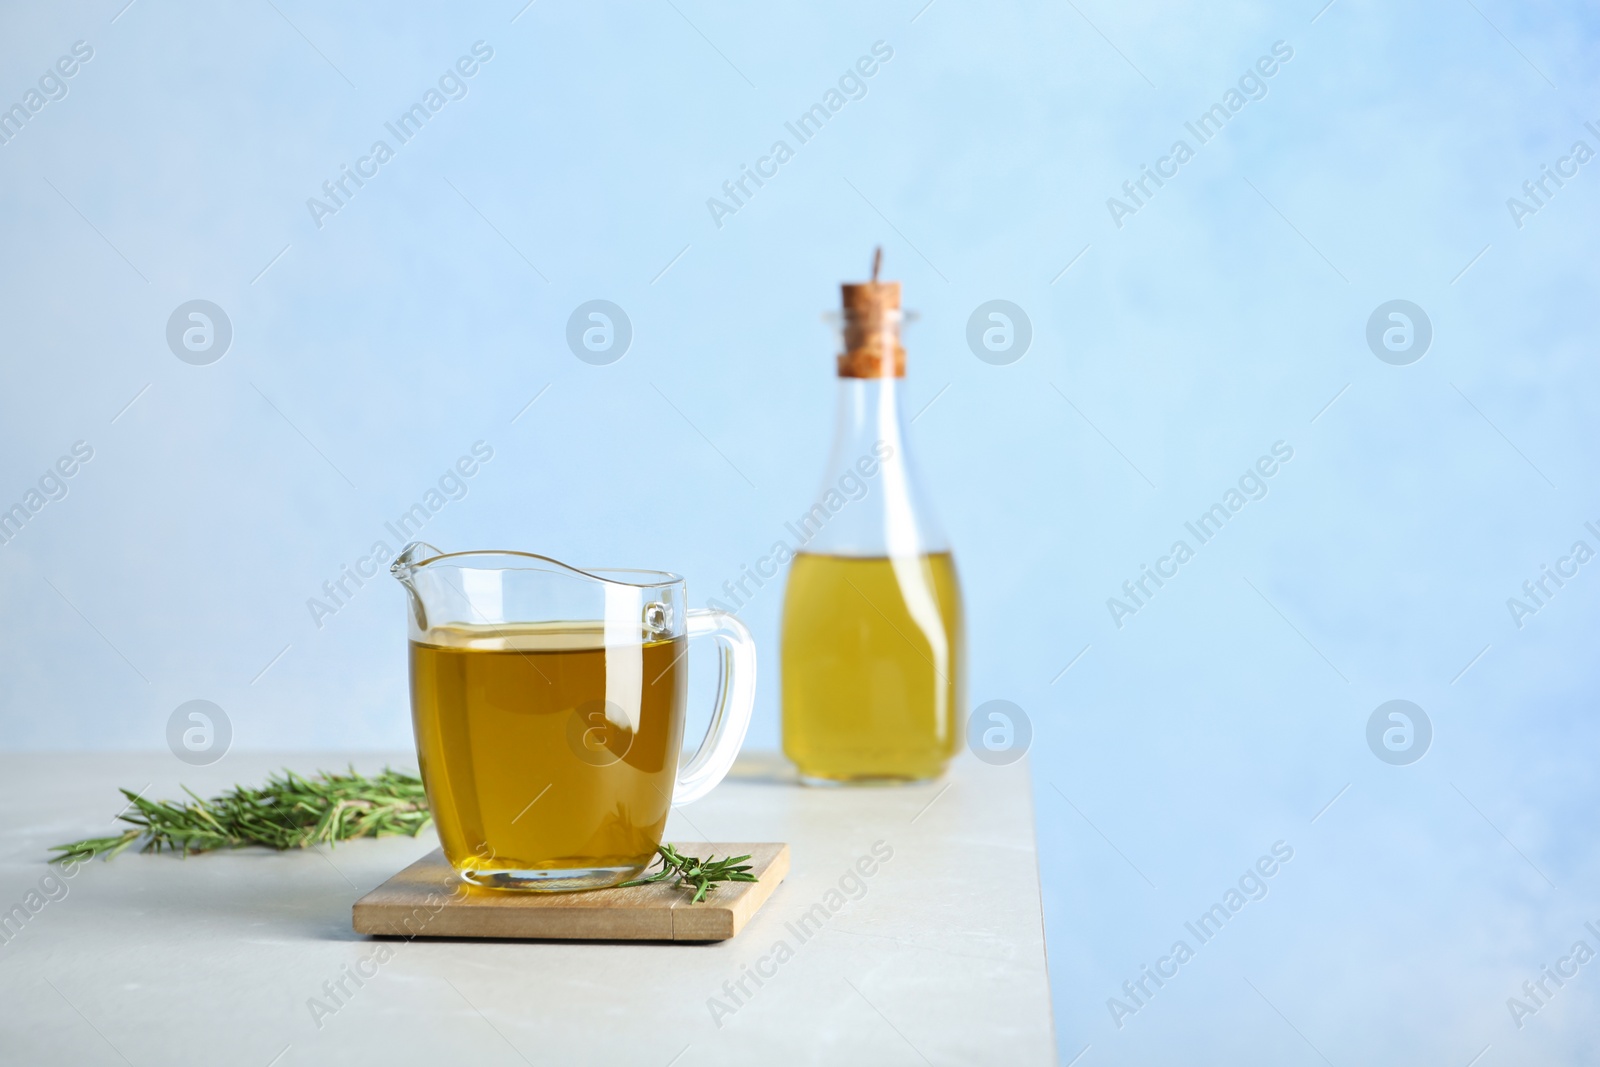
[(871, 666)]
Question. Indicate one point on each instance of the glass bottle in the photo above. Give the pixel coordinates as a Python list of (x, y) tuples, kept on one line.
[(873, 667)]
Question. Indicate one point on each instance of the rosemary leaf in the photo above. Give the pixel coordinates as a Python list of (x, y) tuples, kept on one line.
[(694, 872), (290, 811)]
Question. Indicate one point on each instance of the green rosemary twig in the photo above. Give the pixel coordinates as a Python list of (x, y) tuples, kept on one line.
[(696, 872), (290, 811)]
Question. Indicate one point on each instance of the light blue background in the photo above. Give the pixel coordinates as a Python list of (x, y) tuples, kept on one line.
[(1223, 317)]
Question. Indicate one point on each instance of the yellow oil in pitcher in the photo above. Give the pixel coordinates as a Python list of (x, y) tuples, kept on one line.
[(531, 759)]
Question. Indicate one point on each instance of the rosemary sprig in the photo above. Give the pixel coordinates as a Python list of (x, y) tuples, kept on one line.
[(290, 811), (696, 872)]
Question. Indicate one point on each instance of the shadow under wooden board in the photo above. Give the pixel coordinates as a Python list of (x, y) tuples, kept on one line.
[(428, 899)]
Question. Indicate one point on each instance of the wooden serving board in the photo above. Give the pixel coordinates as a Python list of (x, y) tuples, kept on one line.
[(429, 899)]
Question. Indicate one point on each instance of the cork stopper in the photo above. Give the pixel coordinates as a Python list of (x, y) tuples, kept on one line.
[(872, 346)]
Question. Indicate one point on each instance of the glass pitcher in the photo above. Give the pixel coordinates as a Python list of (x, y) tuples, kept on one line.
[(548, 706)]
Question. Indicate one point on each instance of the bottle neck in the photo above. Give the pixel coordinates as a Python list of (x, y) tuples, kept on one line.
[(870, 503), (866, 413)]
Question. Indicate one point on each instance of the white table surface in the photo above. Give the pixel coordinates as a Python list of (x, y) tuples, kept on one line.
[(151, 960)]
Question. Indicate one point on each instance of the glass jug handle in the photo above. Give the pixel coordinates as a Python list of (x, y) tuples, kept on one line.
[(730, 716)]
